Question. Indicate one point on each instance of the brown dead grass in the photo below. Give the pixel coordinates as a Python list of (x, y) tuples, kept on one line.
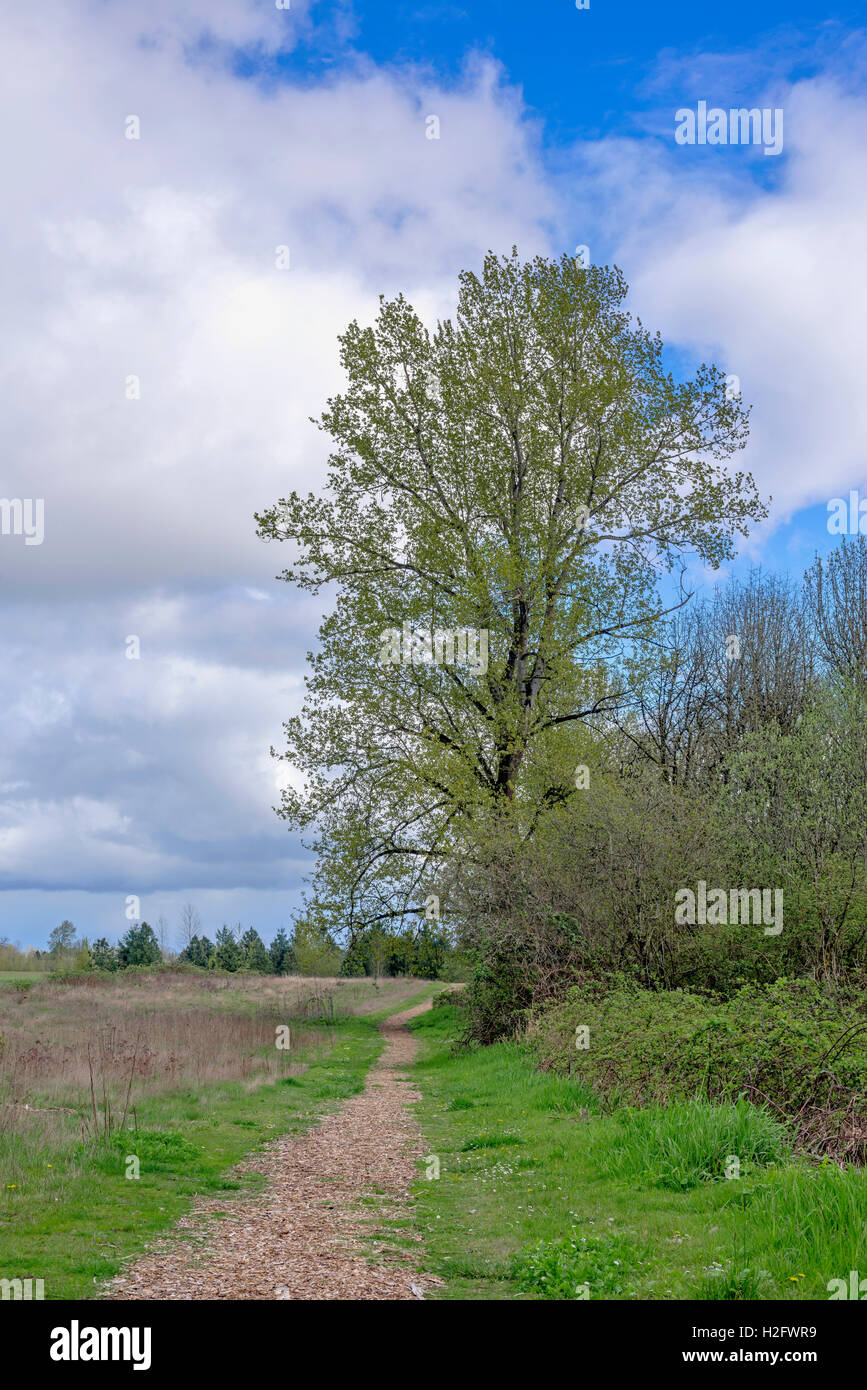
[(74, 1055)]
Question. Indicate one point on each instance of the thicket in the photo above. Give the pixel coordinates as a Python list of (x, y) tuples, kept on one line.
[(739, 764)]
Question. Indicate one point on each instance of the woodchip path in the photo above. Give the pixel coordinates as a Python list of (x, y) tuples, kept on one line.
[(326, 1192)]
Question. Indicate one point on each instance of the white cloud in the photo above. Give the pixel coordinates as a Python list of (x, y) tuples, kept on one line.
[(768, 281), (155, 258)]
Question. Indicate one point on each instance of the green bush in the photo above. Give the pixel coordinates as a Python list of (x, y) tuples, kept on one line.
[(498, 995), (139, 947), (792, 1046)]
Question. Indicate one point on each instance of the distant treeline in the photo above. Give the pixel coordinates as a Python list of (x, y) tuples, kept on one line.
[(306, 951)]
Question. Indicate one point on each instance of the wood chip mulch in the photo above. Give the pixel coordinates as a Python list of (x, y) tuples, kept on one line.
[(326, 1192)]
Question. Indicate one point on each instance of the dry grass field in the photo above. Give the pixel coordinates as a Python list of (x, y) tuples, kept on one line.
[(188, 1071), (77, 1058)]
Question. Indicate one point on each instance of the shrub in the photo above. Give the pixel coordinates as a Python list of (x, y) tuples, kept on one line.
[(498, 995), (788, 1046)]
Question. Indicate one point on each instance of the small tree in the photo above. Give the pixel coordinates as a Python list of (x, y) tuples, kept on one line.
[(797, 812), (428, 954), (836, 590), (81, 960), (139, 946), (199, 951), (282, 955), (256, 956), (103, 956), (316, 951), (380, 950), (228, 954), (191, 923), (162, 933)]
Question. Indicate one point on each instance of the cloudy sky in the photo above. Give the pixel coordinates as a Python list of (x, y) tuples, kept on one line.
[(159, 363)]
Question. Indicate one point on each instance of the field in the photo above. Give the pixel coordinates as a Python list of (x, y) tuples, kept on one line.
[(177, 1075), (125, 1105)]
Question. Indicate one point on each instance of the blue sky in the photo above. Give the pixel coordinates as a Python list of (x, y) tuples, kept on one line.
[(586, 72), (153, 259)]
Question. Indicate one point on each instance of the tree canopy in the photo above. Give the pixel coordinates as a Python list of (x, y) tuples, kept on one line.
[(504, 492)]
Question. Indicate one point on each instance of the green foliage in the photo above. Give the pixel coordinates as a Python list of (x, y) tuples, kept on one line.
[(103, 956), (596, 887), (200, 951), (578, 1266), (499, 992), (374, 951), (82, 957), (316, 951), (62, 938), (139, 946), (228, 954), (523, 471), (282, 955), (691, 1142), (256, 954), (797, 806), (788, 1045)]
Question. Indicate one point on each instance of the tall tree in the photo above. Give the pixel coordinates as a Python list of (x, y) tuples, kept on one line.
[(103, 956), (502, 496), (62, 938), (191, 923), (228, 954), (837, 598)]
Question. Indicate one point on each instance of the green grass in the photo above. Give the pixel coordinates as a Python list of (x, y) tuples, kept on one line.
[(691, 1142), (631, 1205), (75, 1217)]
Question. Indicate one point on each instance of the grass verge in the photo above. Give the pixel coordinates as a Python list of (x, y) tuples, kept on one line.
[(571, 1204)]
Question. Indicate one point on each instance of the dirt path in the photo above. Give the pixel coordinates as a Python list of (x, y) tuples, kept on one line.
[(301, 1237)]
